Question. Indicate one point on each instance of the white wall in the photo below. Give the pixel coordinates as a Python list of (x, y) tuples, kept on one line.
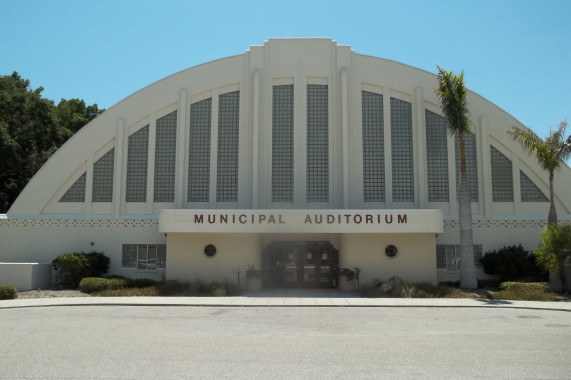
[(186, 261), (26, 276), (415, 261), (43, 240)]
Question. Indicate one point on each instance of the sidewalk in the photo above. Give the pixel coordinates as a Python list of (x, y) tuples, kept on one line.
[(285, 298)]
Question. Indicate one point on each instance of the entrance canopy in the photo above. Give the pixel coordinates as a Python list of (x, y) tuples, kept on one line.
[(301, 221)]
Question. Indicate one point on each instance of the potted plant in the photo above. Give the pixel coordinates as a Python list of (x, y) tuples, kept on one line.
[(253, 279), (347, 277)]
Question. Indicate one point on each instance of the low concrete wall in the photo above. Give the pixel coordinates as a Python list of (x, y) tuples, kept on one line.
[(26, 276)]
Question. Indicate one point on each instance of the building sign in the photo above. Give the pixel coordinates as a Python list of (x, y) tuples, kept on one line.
[(301, 221)]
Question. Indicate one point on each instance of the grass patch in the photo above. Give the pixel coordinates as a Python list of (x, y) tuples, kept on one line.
[(149, 291), (512, 291), (518, 295), (424, 290), (117, 286), (523, 291), (416, 290)]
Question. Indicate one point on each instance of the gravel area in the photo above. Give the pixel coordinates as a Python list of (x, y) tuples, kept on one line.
[(51, 294)]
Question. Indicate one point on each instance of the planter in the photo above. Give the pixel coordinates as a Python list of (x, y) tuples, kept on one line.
[(346, 285), (253, 284)]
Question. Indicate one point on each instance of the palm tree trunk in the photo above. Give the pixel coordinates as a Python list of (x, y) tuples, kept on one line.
[(468, 279), (552, 216), (556, 280)]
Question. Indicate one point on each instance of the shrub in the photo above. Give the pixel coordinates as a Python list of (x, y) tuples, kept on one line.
[(200, 288), (172, 287), (424, 290), (367, 290), (488, 283), (141, 283), (512, 263), (223, 289), (97, 284), (525, 286), (97, 264), (416, 290), (72, 267), (8, 292)]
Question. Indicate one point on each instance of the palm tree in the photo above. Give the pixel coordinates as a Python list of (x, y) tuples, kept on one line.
[(555, 251), (452, 95), (549, 153)]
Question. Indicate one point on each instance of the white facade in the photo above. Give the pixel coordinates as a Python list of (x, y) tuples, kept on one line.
[(294, 127)]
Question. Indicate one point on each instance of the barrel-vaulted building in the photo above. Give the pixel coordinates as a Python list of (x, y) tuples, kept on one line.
[(298, 156)]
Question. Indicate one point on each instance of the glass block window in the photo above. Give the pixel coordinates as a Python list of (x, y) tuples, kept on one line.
[(373, 147), (448, 256), (137, 158), (103, 177), (502, 177), (144, 256), (471, 163), (199, 151), (282, 144), (529, 190), (402, 154), (165, 158), (76, 193), (317, 143), (228, 139), (436, 157)]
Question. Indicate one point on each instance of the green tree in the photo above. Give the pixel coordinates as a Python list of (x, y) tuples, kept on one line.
[(555, 250), (29, 134), (549, 153), (73, 114), (32, 128), (453, 101)]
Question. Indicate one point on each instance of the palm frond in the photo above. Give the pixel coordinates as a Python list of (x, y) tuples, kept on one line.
[(452, 95), (549, 153)]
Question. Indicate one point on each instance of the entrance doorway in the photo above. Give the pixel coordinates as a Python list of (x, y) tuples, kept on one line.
[(300, 264)]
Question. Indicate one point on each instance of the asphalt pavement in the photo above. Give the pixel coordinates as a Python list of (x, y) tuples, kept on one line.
[(111, 340)]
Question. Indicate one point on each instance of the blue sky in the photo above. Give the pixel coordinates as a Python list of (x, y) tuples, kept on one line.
[(515, 53)]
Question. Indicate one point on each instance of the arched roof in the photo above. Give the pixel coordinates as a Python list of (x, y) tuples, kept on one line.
[(278, 61)]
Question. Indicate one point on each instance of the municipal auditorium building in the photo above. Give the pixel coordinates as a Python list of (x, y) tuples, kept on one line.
[(298, 156)]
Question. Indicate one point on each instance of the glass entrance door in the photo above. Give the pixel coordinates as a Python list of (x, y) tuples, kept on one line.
[(303, 264)]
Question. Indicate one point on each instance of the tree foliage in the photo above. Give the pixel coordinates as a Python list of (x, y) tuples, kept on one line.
[(32, 128), (554, 251), (72, 267), (549, 153), (512, 263)]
